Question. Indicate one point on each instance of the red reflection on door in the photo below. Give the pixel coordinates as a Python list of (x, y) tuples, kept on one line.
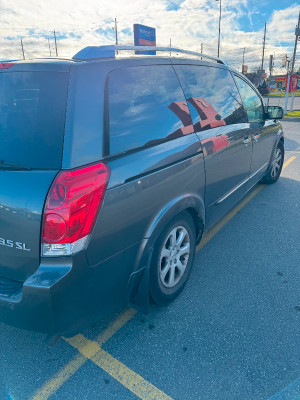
[(209, 116), (214, 143), (181, 110)]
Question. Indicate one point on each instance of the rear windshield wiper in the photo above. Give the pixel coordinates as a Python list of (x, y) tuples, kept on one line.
[(16, 167)]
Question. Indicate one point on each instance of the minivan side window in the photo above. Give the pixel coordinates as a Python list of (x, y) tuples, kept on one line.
[(146, 106), (251, 100), (211, 95)]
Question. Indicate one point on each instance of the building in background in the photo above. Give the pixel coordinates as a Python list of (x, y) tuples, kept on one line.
[(260, 81)]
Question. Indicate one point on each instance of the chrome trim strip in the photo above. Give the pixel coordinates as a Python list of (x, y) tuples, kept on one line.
[(251, 176), (239, 185), (231, 191)]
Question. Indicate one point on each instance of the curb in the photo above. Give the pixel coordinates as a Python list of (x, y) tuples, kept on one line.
[(291, 119)]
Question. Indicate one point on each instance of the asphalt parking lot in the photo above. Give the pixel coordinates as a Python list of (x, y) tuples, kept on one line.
[(232, 334)]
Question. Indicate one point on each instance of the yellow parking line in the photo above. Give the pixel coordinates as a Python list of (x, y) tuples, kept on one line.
[(128, 378), (288, 162), (132, 381), (107, 333), (92, 350), (59, 379), (115, 326), (211, 233), (72, 366)]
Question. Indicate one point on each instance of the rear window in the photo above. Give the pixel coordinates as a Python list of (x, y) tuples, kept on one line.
[(32, 116)]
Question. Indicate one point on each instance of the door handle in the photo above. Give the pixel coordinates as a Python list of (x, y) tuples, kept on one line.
[(247, 141), (256, 137)]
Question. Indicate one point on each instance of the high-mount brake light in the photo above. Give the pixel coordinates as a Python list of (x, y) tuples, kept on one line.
[(6, 65), (71, 209)]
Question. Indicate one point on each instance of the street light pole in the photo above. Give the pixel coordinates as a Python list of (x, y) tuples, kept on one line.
[(219, 27), (263, 52), (22, 49), (297, 33), (55, 43), (116, 30)]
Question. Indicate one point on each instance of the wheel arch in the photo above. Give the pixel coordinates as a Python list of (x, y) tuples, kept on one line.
[(279, 138), (138, 287), (190, 203)]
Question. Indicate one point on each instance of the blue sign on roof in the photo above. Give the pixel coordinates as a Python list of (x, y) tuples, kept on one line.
[(144, 36)]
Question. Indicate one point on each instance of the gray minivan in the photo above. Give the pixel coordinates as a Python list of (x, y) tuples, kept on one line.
[(112, 168)]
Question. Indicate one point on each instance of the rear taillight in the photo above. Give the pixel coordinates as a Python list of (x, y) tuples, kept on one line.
[(71, 209)]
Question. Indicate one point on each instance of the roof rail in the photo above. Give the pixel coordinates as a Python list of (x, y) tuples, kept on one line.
[(92, 52)]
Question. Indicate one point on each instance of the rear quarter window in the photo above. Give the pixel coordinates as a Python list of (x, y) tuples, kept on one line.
[(146, 106), (32, 117)]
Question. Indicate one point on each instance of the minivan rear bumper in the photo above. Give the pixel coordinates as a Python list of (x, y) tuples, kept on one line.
[(31, 306), (66, 294)]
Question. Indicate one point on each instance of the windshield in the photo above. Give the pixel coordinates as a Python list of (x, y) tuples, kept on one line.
[(32, 115)]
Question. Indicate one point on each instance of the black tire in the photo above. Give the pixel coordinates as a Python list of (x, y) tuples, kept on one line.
[(275, 167), (162, 288)]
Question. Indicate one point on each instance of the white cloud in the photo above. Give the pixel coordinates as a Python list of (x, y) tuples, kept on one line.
[(188, 22)]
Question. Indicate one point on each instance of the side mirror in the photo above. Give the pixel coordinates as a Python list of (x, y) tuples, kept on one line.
[(274, 112)]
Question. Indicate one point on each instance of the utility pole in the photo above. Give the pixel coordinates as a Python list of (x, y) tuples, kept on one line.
[(297, 34), (116, 31), (287, 93), (49, 47), (22, 49), (55, 44), (288, 65), (243, 60), (263, 52), (270, 77), (219, 27)]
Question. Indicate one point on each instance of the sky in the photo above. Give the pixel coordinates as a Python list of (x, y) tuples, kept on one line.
[(188, 23)]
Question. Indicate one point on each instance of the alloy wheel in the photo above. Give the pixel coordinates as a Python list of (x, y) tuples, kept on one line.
[(174, 256), (276, 163)]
